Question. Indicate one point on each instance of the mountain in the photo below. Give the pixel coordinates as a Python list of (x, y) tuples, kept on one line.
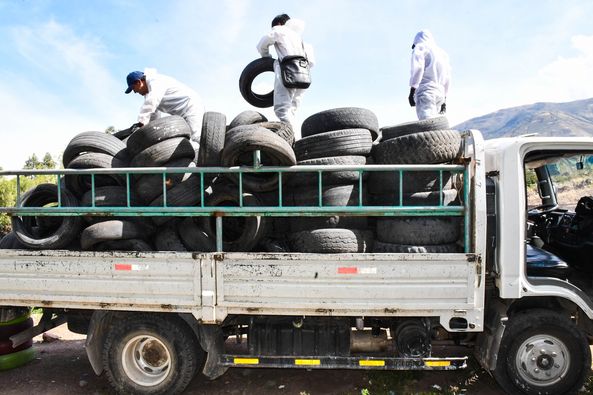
[(546, 119)]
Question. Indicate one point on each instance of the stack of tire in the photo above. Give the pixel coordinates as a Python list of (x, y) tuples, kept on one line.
[(340, 136), (423, 142), (14, 320)]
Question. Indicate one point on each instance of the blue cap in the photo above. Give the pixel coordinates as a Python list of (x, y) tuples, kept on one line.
[(133, 77)]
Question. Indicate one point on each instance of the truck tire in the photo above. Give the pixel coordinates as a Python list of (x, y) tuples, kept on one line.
[(335, 143), (449, 197), (417, 181), (110, 230), (418, 230), (281, 129), (151, 354), (275, 151), (341, 118), (194, 237), (168, 239), (437, 146), (560, 350), (248, 117), (211, 139), (331, 241), (186, 193), (109, 196), (79, 184), (336, 195), (424, 125), (165, 151), (156, 131), (57, 237), (299, 224), (328, 178), (149, 186), (382, 247), (94, 142), (248, 75)]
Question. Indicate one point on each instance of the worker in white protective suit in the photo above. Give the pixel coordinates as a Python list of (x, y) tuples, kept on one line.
[(430, 77), (286, 36), (164, 94)]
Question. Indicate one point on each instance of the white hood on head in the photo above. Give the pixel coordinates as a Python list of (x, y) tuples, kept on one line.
[(423, 37)]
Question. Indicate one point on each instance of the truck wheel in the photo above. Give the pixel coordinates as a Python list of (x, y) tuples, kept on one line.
[(150, 354), (341, 118), (542, 352), (335, 143), (251, 71)]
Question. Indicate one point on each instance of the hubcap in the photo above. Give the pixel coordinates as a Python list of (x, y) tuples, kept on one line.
[(146, 360), (542, 360)]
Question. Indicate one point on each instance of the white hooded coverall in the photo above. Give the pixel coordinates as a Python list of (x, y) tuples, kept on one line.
[(430, 75), (287, 41), (169, 96)]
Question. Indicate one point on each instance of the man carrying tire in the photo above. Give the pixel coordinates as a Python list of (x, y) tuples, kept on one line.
[(430, 76), (286, 38), (164, 94)]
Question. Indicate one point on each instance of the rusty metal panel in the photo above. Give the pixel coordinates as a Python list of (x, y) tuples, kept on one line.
[(114, 280)]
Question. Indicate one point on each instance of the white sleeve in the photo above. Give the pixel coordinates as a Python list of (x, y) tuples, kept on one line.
[(263, 47), (151, 101), (310, 53)]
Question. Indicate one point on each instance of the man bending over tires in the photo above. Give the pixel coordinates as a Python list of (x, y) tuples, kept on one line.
[(286, 38), (164, 94), (430, 76)]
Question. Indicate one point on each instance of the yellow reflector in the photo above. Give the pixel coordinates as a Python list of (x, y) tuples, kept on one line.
[(307, 362), (437, 363), (371, 363), (246, 361)]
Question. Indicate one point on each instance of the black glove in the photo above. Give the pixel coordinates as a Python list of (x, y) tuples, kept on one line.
[(136, 126), (443, 108), (411, 97)]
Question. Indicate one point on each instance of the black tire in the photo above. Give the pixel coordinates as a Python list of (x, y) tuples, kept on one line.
[(449, 198), (338, 195), (418, 230), (10, 241), (185, 194), (149, 186), (99, 142), (331, 241), (299, 224), (56, 237), (165, 151), (281, 129), (424, 125), (238, 233), (168, 239), (111, 230), (109, 196), (194, 237), (251, 71), (341, 118), (382, 247), (413, 181), (437, 146), (559, 348), (135, 343), (248, 117), (156, 131), (137, 245), (328, 178), (212, 139), (93, 160), (334, 143), (275, 151)]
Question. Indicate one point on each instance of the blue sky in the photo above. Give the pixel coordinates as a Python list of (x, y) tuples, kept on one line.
[(63, 63)]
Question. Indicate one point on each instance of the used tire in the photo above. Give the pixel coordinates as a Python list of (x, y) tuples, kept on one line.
[(331, 241), (424, 125), (338, 195), (449, 198), (150, 354), (418, 230), (185, 194), (341, 118), (275, 151), (248, 117), (156, 131), (382, 247), (251, 71), (168, 240), (16, 359), (149, 186), (124, 245), (79, 184), (412, 182), (437, 146), (334, 143), (98, 142), (56, 237), (110, 230), (328, 178), (298, 224), (542, 352), (211, 139), (165, 151), (194, 237)]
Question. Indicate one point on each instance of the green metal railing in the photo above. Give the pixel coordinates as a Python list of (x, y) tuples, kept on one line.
[(398, 208)]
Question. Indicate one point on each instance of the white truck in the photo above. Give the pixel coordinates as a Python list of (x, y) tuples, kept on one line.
[(519, 296)]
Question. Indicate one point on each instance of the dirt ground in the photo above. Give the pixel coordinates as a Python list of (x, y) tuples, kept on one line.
[(61, 367)]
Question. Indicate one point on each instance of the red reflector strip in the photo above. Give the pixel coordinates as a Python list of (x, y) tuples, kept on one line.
[(123, 266), (348, 270)]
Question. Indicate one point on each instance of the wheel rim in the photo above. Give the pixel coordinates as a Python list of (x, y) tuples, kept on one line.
[(146, 360), (542, 360)]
